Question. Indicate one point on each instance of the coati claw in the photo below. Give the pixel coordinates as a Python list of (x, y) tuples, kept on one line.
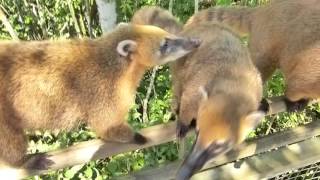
[(296, 105), (39, 161), (139, 138), (264, 105), (182, 130)]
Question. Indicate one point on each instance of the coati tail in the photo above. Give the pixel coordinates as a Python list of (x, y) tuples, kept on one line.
[(151, 15), (238, 18)]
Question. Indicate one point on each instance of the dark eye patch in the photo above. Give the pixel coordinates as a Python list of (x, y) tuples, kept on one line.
[(170, 45), (165, 46)]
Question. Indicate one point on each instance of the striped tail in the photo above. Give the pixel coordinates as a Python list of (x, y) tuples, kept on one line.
[(238, 18), (151, 15)]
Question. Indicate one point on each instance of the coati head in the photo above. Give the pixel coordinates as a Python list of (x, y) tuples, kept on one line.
[(151, 45), (223, 122)]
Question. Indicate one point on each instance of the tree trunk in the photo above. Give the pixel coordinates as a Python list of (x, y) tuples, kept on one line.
[(107, 14)]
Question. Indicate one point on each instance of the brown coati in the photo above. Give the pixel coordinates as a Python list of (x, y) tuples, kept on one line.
[(59, 84), (219, 86), (226, 107), (284, 34)]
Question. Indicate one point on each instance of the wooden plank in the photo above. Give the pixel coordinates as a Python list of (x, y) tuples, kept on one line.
[(251, 148), (277, 104), (268, 164), (96, 149)]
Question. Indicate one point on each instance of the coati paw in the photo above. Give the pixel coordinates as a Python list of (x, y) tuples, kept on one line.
[(39, 162), (139, 138), (182, 130), (264, 106), (296, 105)]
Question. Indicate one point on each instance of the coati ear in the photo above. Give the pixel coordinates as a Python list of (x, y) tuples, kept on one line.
[(125, 47), (254, 118), (203, 92)]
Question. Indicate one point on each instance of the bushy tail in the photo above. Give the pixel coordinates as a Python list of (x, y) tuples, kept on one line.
[(238, 18), (151, 15)]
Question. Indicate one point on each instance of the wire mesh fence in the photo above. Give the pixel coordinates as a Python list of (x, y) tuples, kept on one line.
[(310, 172)]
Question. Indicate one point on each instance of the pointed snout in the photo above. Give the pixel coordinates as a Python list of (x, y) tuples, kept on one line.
[(199, 156), (192, 43)]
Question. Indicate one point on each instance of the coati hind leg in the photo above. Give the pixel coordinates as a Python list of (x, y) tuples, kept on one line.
[(13, 143), (302, 79), (265, 64)]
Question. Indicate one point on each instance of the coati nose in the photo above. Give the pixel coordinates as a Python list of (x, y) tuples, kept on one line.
[(191, 43), (195, 42), (199, 156)]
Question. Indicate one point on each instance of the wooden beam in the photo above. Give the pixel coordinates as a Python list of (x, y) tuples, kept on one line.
[(96, 149), (277, 104), (267, 165), (251, 148)]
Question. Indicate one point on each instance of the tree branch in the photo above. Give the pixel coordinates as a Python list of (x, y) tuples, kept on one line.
[(8, 26), (148, 94), (76, 24)]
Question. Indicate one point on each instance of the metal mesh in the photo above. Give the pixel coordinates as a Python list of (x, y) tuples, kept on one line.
[(307, 172)]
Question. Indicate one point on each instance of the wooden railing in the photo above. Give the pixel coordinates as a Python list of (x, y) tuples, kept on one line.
[(84, 152)]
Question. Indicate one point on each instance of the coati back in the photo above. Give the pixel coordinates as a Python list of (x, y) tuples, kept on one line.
[(56, 85), (284, 34)]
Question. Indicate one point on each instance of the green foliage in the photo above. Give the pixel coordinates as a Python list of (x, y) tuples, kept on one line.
[(43, 19)]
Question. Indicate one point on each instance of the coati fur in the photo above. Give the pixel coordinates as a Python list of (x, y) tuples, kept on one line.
[(156, 16), (58, 84), (284, 34), (218, 86)]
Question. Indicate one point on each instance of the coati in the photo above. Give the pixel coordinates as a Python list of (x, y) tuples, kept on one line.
[(284, 34), (56, 85), (219, 86), (226, 107)]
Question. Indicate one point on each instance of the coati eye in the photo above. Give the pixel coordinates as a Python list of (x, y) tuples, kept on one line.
[(164, 46)]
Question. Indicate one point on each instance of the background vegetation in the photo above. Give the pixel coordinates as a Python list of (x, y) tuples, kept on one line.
[(51, 19)]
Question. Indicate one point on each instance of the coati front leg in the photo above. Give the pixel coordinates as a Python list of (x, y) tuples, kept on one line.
[(119, 131), (122, 132), (187, 113)]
